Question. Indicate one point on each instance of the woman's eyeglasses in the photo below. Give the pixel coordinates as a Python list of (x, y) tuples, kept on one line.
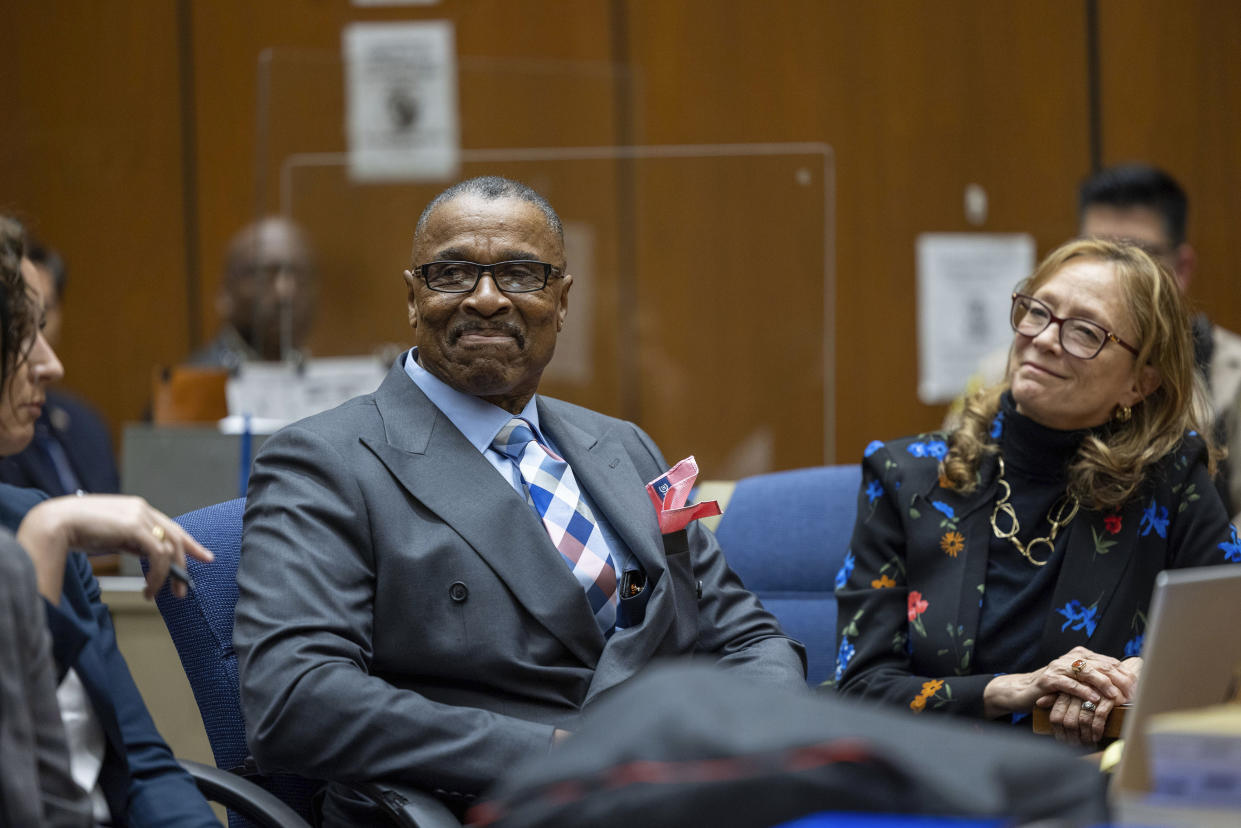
[(1078, 337)]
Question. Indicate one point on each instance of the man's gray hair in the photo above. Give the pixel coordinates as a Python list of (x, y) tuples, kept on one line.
[(491, 188)]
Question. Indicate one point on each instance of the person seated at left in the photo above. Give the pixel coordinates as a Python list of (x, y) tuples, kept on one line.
[(1010, 563), (72, 449), (116, 753)]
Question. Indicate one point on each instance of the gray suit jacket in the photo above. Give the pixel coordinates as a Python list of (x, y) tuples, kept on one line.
[(36, 788), (404, 618)]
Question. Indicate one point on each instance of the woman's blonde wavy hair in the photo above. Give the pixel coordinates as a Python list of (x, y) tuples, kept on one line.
[(1112, 463)]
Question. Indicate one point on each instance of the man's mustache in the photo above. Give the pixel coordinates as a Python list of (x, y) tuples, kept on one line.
[(507, 328)]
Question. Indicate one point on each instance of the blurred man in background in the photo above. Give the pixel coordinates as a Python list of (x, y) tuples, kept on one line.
[(266, 299)]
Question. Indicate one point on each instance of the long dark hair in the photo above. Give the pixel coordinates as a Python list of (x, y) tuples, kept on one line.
[(17, 318)]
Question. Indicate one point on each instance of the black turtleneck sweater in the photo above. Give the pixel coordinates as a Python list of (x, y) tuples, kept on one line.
[(1017, 597)]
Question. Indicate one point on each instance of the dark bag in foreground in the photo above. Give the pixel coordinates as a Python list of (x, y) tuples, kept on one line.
[(693, 745)]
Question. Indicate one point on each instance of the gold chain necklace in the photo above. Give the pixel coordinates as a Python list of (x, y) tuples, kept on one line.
[(1060, 515)]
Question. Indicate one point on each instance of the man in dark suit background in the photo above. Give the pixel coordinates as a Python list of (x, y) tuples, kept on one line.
[(412, 610), (266, 300), (72, 448)]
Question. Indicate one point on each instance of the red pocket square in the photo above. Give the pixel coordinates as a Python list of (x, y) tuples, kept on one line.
[(670, 491)]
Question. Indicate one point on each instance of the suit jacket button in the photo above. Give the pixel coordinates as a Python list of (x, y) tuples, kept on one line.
[(700, 590), (458, 591)]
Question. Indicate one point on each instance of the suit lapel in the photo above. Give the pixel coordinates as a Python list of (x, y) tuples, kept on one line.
[(606, 472), (434, 462)]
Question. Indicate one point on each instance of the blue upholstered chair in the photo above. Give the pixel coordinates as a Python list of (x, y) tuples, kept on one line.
[(201, 626), (785, 534)]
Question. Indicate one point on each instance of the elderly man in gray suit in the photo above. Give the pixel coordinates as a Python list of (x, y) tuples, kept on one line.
[(437, 578)]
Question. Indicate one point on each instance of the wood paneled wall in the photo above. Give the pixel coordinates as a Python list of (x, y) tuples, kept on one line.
[(91, 160), (134, 145), (1172, 96)]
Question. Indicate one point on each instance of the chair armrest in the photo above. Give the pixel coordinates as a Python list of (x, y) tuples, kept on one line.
[(243, 796), (408, 807)]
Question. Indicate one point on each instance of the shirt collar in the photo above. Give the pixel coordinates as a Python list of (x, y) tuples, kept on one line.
[(477, 419)]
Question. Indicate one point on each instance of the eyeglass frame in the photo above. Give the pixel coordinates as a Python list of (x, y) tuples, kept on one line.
[(549, 270), (1108, 336)]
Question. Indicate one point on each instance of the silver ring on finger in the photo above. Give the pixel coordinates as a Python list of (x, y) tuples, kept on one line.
[(1088, 706)]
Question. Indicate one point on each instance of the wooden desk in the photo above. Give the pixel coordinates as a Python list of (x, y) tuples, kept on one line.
[(1115, 722)]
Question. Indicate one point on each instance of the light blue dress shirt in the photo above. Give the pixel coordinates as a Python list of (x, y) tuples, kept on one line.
[(480, 422)]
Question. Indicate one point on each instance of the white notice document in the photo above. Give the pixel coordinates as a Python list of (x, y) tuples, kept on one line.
[(401, 101), (279, 393), (965, 286)]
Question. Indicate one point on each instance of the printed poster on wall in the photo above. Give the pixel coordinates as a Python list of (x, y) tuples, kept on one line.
[(965, 286), (401, 101)]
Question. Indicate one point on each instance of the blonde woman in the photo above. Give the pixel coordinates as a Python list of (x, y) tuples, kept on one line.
[(1010, 563)]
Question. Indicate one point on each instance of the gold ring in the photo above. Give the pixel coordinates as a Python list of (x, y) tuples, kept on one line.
[(158, 532), (1078, 666)]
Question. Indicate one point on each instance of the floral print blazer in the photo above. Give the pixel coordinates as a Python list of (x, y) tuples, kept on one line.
[(910, 591)]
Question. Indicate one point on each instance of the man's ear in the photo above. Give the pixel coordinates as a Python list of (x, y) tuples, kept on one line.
[(225, 305), (562, 310), (410, 300), (1186, 263)]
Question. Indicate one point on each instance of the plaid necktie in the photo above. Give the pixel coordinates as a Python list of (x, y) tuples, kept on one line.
[(552, 490)]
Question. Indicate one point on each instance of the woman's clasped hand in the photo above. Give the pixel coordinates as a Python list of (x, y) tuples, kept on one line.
[(1079, 689)]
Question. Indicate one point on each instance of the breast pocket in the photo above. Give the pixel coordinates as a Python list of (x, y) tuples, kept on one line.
[(685, 587)]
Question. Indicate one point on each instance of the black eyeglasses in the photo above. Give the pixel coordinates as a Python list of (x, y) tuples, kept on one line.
[(1079, 337), (519, 276)]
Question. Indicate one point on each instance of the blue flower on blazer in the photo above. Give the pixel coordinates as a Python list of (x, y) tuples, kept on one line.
[(846, 569), (928, 448), (1079, 616), (1155, 517), (1232, 547), (843, 656)]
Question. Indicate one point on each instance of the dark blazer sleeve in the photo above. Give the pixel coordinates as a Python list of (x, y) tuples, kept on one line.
[(1200, 532), (35, 787), (306, 636), (873, 596), (733, 627), (157, 791)]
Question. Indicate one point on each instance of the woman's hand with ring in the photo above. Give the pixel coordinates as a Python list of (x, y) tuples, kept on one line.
[(1078, 721), (105, 522), (1089, 676)]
